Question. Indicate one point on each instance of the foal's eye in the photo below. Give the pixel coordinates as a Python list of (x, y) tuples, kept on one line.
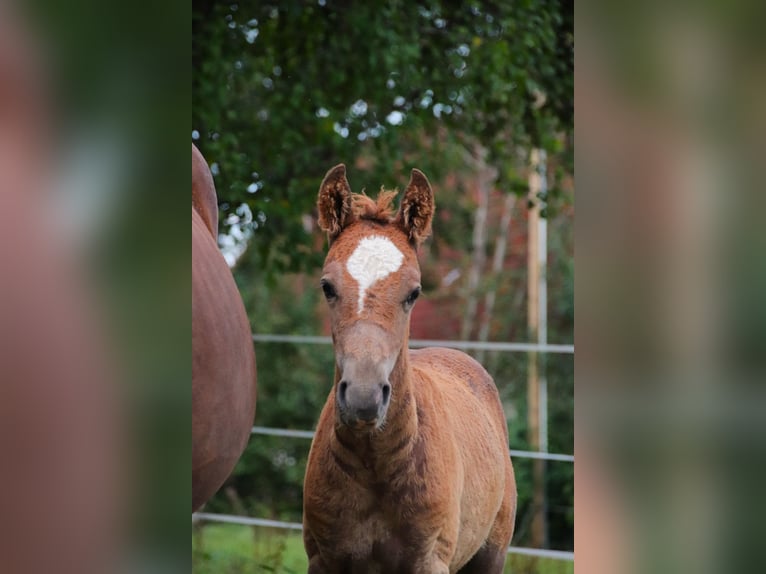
[(329, 290), (412, 296)]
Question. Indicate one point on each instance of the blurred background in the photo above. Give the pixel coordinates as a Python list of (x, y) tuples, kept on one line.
[(95, 364), (477, 95), (670, 281)]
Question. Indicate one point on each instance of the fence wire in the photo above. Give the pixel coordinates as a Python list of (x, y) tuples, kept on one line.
[(292, 433), (463, 345)]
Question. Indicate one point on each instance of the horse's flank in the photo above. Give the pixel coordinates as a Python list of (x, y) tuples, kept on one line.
[(204, 199), (223, 360)]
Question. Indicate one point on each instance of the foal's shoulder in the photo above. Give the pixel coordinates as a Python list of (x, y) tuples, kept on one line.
[(453, 365)]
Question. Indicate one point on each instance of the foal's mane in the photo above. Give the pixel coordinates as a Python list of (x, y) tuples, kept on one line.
[(380, 209)]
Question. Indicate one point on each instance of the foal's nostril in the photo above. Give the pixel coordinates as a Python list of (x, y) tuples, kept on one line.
[(386, 393), (342, 393)]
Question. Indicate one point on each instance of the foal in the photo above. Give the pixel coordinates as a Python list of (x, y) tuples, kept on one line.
[(409, 468)]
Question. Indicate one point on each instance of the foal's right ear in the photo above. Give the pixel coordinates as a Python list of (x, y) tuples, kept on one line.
[(334, 202)]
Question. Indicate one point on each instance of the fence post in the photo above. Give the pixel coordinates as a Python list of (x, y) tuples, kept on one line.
[(536, 317)]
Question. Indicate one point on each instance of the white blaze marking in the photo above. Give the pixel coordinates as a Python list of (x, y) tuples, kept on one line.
[(373, 259)]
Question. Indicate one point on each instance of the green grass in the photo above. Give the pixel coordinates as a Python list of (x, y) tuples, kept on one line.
[(234, 549)]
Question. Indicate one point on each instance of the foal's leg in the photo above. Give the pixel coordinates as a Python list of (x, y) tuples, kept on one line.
[(431, 565), (316, 564), (438, 552), (490, 559)]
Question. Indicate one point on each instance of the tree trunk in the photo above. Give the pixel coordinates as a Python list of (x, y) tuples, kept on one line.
[(485, 175), (501, 243)]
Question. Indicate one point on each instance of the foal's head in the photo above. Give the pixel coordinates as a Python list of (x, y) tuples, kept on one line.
[(371, 279)]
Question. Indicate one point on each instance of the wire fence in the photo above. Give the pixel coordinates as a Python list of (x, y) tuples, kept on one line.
[(306, 434), (462, 345), (292, 433)]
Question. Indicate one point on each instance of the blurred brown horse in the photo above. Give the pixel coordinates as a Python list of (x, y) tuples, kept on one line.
[(62, 426), (409, 469), (223, 361)]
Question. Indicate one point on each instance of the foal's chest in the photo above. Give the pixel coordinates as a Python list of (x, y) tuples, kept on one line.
[(368, 545)]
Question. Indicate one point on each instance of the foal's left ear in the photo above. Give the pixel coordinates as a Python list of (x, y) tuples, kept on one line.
[(417, 208)]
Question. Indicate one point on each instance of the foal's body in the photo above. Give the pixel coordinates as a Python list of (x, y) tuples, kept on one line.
[(409, 469), (417, 495)]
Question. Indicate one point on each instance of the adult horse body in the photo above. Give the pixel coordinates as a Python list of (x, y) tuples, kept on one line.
[(223, 360), (409, 468)]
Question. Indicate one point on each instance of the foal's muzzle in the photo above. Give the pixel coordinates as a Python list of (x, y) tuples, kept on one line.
[(362, 405), (365, 357)]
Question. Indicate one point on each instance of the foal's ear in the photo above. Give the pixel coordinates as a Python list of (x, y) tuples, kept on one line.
[(417, 208), (334, 202)]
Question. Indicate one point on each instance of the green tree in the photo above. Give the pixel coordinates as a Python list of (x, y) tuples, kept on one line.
[(283, 91)]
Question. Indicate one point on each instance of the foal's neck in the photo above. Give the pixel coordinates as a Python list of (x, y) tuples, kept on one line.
[(396, 438), (401, 418)]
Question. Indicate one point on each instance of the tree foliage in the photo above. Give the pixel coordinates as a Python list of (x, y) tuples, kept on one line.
[(283, 91)]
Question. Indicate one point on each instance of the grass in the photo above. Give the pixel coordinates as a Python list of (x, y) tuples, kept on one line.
[(234, 549)]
